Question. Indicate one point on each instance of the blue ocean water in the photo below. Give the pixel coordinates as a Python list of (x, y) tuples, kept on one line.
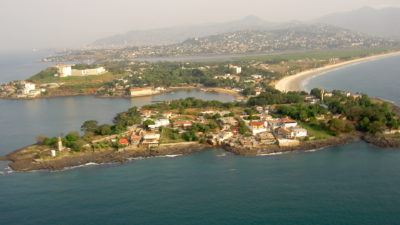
[(352, 184)]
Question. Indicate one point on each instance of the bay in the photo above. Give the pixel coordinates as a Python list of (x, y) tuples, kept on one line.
[(377, 78)]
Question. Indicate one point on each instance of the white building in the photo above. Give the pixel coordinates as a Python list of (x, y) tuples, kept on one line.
[(64, 70), (299, 132), (28, 87), (160, 123), (88, 72), (142, 91)]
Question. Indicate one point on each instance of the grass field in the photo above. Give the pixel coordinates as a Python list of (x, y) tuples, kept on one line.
[(317, 131)]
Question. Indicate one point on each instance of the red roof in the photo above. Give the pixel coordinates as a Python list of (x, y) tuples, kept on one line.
[(123, 141), (257, 123), (285, 120), (145, 111)]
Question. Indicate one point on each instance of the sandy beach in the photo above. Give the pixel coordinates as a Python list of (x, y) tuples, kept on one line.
[(294, 82)]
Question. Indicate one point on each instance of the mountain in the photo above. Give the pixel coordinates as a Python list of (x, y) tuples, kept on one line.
[(378, 22), (178, 34)]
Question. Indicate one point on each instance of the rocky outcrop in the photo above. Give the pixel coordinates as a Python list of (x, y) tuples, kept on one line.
[(382, 141), (23, 160), (308, 145)]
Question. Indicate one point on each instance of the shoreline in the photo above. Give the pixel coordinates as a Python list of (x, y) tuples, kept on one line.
[(24, 160), (235, 94), (294, 82)]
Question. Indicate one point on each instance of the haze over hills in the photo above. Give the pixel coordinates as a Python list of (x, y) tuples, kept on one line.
[(379, 22), (293, 38), (178, 34)]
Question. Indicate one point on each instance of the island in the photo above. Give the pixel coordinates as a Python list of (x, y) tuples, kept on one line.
[(271, 122)]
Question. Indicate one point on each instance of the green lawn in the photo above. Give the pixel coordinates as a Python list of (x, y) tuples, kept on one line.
[(166, 137), (317, 131)]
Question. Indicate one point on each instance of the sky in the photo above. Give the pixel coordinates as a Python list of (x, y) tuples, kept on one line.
[(27, 24)]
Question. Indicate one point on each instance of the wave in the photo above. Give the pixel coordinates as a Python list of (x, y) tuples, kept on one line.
[(80, 166), (272, 154), (6, 171)]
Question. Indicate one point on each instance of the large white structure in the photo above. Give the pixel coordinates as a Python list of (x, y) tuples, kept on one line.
[(160, 123), (65, 70), (142, 91), (28, 87), (88, 72)]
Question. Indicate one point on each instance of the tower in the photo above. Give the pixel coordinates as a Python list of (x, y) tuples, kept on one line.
[(322, 95), (59, 144)]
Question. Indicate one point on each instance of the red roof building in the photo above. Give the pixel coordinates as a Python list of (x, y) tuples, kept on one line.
[(123, 141)]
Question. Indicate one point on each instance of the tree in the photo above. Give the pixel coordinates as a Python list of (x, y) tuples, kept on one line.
[(89, 126), (147, 123), (104, 129), (242, 127)]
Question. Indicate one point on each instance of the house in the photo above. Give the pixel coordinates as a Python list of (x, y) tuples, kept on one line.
[(159, 123), (283, 133), (274, 123), (299, 132), (167, 114), (151, 140), (221, 137), (229, 121), (28, 87), (311, 99), (237, 69), (146, 113), (257, 127), (288, 123), (182, 124), (135, 139), (123, 141)]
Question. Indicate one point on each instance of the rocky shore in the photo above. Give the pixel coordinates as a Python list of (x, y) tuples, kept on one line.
[(382, 141), (304, 146), (27, 160)]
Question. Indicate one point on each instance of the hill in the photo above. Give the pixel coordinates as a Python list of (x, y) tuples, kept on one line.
[(178, 34), (378, 22)]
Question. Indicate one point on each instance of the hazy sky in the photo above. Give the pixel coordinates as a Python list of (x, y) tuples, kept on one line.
[(63, 23)]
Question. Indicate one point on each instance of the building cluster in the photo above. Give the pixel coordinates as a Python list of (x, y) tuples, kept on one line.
[(21, 89), (265, 130)]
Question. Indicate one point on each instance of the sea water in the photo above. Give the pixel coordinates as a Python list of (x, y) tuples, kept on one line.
[(352, 184)]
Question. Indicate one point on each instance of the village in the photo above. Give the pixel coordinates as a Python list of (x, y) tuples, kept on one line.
[(250, 129)]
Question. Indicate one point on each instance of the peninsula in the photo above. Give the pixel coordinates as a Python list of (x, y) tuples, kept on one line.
[(271, 122)]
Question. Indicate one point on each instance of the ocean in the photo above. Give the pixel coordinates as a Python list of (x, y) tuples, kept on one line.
[(352, 184)]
